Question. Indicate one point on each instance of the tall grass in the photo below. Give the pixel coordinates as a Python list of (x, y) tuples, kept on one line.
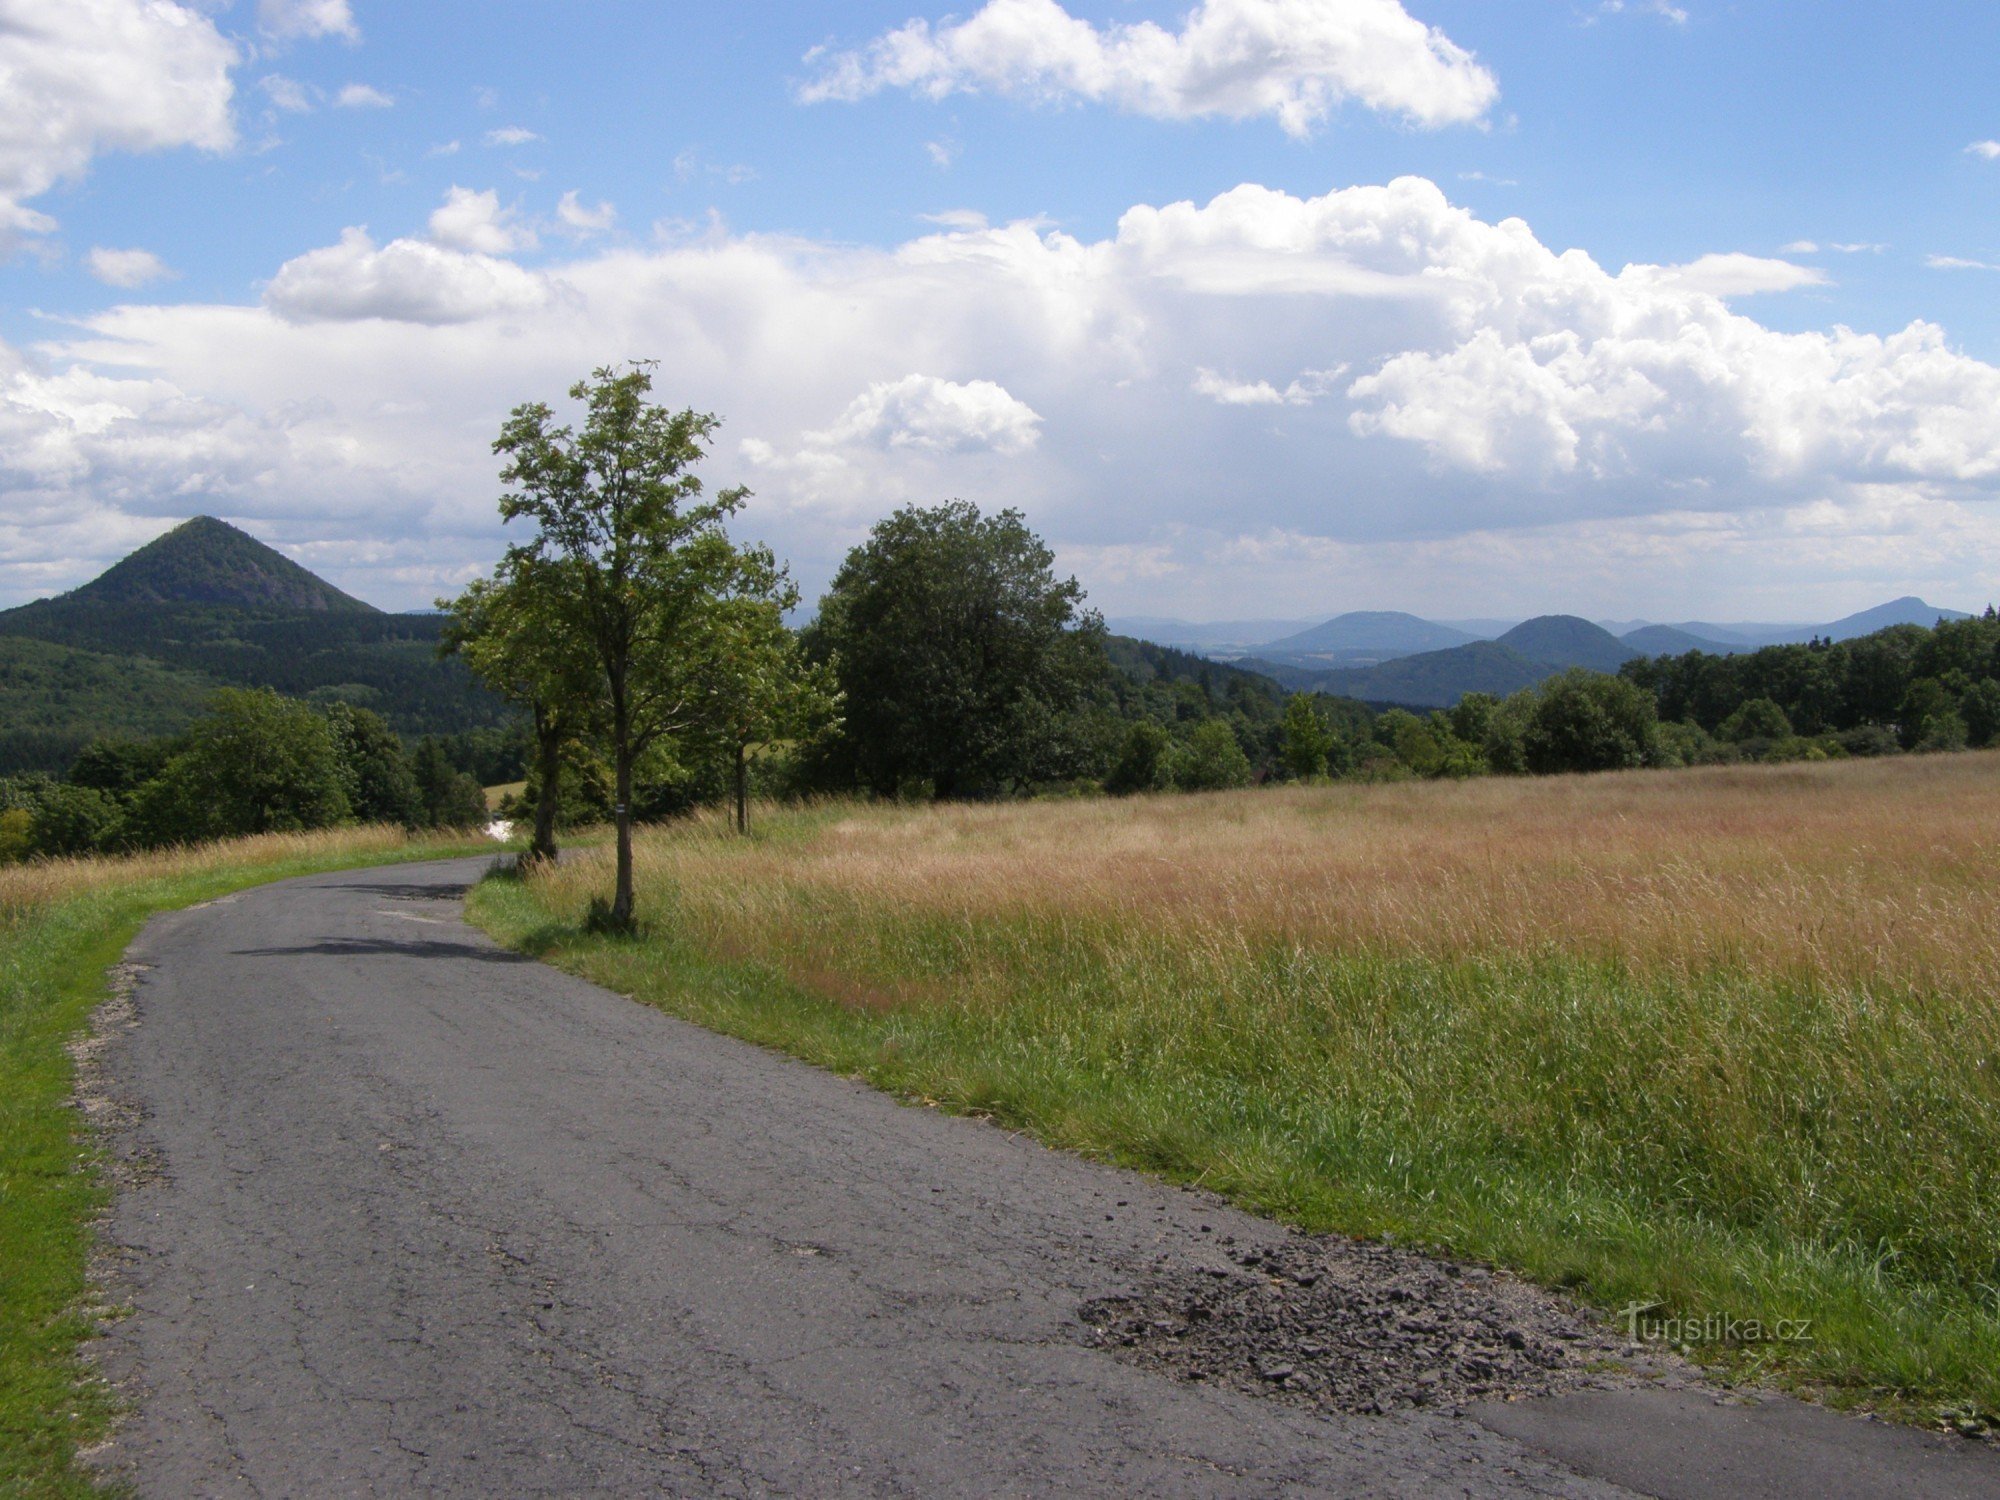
[(1722, 1039), (63, 923)]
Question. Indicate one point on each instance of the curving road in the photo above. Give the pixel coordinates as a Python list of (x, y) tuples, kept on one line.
[(407, 1214)]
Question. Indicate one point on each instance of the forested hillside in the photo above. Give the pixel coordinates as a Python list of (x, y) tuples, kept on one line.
[(139, 650)]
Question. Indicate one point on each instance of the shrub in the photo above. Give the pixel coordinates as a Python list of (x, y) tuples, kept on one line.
[(1214, 760), (1586, 721)]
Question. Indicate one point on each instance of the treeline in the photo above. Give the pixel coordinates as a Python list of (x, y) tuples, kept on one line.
[(255, 762), (967, 668)]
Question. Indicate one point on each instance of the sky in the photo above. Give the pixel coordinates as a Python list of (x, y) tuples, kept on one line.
[(1658, 309)]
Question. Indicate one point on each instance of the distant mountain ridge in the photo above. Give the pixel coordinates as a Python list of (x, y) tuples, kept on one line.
[(1377, 634), (209, 562), (1388, 656)]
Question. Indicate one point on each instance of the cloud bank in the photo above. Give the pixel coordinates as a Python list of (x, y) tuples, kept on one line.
[(1327, 400)]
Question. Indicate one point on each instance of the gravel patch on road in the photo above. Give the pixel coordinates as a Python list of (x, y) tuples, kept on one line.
[(1366, 1328)]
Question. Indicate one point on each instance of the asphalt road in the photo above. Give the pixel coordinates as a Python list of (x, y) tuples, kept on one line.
[(406, 1214)]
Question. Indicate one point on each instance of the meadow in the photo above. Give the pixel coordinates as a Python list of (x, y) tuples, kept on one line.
[(1719, 1040), (63, 925)]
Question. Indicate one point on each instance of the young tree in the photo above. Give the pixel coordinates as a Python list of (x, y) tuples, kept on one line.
[(965, 663), (1305, 738), (517, 641), (639, 561), (759, 687), (1215, 759)]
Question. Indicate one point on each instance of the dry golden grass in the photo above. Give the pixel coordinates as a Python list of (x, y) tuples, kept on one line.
[(40, 883), (1865, 873)]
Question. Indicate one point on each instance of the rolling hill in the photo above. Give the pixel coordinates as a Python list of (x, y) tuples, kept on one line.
[(1567, 641), (138, 649)]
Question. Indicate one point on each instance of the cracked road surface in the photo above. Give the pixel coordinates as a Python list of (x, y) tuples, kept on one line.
[(407, 1214)]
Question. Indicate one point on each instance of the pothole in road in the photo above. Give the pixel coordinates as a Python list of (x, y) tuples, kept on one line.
[(1363, 1329)]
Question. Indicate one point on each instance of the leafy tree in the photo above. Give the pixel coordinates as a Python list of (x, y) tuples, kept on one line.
[(376, 772), (1145, 761), (1927, 699), (1980, 708), (1758, 719), (638, 559), (1586, 721), (75, 820), (446, 796), (760, 688), (119, 767), (1215, 760), (255, 763), (964, 663), (1305, 738), (512, 632)]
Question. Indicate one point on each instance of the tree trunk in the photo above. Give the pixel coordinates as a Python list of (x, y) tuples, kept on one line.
[(621, 749), (548, 745), (742, 788)]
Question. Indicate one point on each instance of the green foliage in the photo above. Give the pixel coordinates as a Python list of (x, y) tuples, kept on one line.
[(55, 699), (1214, 760), (256, 763), (1586, 721), (1758, 719), (629, 555), (375, 770), (1980, 708), (76, 820), (17, 834), (445, 796), (1145, 762), (962, 660), (1306, 740)]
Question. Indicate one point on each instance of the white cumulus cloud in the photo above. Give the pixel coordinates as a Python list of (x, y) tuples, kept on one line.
[(475, 221), (511, 135), (1293, 60), (82, 77), (126, 268), (936, 416), (404, 281), (1989, 150)]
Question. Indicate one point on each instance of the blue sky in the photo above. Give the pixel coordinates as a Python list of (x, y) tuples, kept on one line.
[(290, 261)]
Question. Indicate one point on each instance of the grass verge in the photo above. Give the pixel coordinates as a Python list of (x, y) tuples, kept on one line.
[(1720, 1042), (63, 924)]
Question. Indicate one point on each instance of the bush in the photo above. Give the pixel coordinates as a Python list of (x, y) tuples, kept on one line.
[(1214, 761), (1145, 761), (1757, 719), (76, 820), (256, 763), (1586, 721)]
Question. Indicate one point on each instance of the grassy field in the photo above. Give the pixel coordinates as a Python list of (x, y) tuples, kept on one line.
[(62, 925), (1722, 1040)]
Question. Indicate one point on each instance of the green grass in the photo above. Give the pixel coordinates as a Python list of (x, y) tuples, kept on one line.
[(58, 938), (1717, 1138)]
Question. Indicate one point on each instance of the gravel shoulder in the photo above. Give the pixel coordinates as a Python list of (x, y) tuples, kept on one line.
[(408, 1213)]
